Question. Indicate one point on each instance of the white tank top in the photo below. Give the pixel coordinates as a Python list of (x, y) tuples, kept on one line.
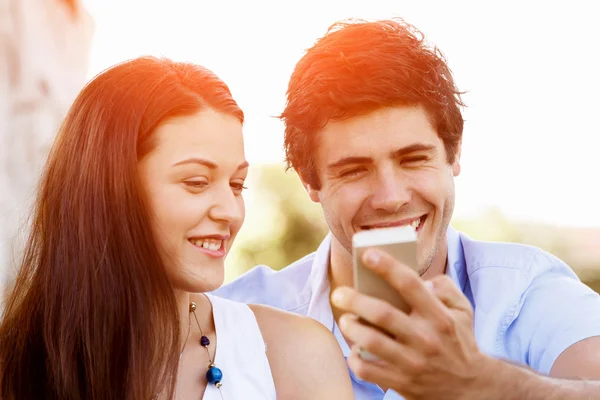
[(240, 354)]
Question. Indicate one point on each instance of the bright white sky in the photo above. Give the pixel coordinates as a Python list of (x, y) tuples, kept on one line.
[(532, 133)]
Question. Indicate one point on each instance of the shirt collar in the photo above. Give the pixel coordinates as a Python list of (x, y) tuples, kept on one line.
[(319, 307), (456, 267)]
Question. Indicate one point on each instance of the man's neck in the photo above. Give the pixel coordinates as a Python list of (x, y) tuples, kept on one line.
[(439, 263), (340, 271)]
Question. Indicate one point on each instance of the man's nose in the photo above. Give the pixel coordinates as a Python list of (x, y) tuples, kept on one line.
[(389, 191)]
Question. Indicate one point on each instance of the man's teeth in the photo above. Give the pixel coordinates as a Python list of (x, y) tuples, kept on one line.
[(210, 244), (415, 224)]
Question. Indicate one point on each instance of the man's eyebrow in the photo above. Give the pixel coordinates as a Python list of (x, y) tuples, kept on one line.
[(395, 154), (349, 160), (413, 148)]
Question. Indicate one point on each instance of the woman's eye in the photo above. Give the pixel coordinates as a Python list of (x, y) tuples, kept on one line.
[(196, 184), (238, 187)]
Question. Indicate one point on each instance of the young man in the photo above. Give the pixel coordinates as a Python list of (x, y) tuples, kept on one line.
[(374, 128)]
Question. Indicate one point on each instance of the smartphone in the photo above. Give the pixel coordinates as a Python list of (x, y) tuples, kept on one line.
[(400, 243)]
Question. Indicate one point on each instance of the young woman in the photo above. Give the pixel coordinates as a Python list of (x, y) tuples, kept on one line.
[(139, 203)]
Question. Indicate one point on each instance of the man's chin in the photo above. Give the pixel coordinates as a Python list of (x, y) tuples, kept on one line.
[(423, 269)]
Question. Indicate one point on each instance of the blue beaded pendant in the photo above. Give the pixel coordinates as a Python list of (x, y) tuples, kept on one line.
[(204, 341), (214, 376)]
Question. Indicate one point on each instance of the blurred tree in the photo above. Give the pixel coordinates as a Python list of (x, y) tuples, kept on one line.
[(578, 247), (492, 225), (594, 284), (44, 48), (282, 225)]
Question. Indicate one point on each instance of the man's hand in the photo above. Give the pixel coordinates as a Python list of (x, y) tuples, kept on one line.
[(431, 352)]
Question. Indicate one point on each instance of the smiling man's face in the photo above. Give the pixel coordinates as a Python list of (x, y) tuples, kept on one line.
[(386, 168)]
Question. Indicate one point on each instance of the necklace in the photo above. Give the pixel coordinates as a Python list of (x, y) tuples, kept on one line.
[(214, 375)]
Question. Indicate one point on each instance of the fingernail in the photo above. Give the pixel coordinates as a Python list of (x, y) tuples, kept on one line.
[(429, 285), (343, 321), (337, 297), (371, 257)]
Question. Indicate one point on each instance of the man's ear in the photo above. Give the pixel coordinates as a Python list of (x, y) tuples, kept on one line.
[(313, 193), (456, 162)]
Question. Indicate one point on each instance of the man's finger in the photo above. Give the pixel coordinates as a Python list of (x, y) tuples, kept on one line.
[(371, 340), (398, 374), (376, 312), (380, 373), (446, 290)]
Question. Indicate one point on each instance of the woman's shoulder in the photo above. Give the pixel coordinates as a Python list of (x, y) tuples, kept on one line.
[(273, 322), (277, 325), (306, 359), (279, 322)]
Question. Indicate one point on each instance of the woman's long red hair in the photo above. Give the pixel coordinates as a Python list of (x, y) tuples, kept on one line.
[(92, 314)]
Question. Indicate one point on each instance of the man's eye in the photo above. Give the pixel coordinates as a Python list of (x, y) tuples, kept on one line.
[(351, 172), (414, 160)]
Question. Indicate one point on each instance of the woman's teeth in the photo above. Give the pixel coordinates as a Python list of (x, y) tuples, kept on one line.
[(210, 244)]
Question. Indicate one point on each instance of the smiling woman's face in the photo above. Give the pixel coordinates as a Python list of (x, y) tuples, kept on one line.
[(194, 178)]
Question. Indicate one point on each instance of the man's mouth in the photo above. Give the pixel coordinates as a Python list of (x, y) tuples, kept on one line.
[(416, 223)]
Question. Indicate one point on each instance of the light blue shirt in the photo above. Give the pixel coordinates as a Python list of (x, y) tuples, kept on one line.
[(529, 306)]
